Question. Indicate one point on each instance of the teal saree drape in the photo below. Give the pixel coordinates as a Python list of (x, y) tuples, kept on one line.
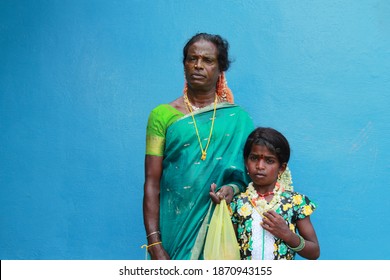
[(186, 179)]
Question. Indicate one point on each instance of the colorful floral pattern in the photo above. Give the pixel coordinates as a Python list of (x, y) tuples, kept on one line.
[(293, 206)]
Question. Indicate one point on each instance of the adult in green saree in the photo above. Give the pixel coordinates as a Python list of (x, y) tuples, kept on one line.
[(194, 148)]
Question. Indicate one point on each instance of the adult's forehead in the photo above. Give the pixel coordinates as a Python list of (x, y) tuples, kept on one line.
[(204, 47)]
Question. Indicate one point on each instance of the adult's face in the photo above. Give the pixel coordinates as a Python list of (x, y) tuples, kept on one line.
[(201, 66)]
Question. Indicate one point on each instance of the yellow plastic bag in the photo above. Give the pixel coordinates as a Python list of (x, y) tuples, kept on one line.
[(221, 242)]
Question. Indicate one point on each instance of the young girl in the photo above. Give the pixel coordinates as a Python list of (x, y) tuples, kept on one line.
[(272, 222)]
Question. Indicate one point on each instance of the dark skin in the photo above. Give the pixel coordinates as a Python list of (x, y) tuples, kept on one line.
[(263, 167), (153, 171), (275, 224), (202, 72)]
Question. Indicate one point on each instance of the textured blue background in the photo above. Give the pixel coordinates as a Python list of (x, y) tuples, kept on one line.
[(78, 79)]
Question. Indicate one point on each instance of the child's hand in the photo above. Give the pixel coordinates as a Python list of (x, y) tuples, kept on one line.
[(275, 224)]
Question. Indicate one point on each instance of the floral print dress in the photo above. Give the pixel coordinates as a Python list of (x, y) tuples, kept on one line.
[(293, 206)]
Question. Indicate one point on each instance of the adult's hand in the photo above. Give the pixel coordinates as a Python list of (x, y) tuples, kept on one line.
[(157, 252), (226, 192)]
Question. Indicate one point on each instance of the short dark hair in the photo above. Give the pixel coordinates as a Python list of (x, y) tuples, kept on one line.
[(221, 44), (270, 138)]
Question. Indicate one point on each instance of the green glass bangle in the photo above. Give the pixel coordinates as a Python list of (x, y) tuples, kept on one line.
[(235, 189), (300, 246)]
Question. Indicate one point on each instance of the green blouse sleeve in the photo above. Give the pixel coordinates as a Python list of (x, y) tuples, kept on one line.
[(159, 120)]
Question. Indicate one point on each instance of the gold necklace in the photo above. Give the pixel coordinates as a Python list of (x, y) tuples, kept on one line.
[(189, 105)]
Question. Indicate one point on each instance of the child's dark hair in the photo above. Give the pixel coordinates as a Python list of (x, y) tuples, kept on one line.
[(270, 138)]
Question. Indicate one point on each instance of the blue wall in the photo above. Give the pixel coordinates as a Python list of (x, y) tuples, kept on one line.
[(78, 79)]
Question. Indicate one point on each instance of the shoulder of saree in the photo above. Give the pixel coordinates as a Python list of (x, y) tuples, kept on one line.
[(210, 108), (160, 118), (219, 106), (166, 110)]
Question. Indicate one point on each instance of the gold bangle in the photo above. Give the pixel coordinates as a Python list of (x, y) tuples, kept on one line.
[(153, 244), (148, 246)]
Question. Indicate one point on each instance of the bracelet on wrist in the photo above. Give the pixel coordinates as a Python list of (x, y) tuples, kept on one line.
[(300, 246), (153, 244), (235, 189), (153, 233), (148, 246)]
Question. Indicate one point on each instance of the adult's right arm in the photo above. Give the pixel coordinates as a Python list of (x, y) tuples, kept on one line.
[(151, 206)]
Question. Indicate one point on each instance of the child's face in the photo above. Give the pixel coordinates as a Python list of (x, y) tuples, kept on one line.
[(263, 167)]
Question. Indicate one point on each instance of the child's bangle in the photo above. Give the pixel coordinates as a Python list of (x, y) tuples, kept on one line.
[(300, 246)]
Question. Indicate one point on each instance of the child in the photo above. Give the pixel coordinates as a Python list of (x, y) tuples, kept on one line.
[(272, 222)]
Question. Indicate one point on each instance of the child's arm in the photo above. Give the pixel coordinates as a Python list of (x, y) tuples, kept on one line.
[(306, 230), (276, 225)]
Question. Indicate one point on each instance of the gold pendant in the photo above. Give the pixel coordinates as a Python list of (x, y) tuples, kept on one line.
[(204, 154)]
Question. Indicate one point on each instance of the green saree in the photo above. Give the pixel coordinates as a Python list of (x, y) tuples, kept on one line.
[(185, 183)]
